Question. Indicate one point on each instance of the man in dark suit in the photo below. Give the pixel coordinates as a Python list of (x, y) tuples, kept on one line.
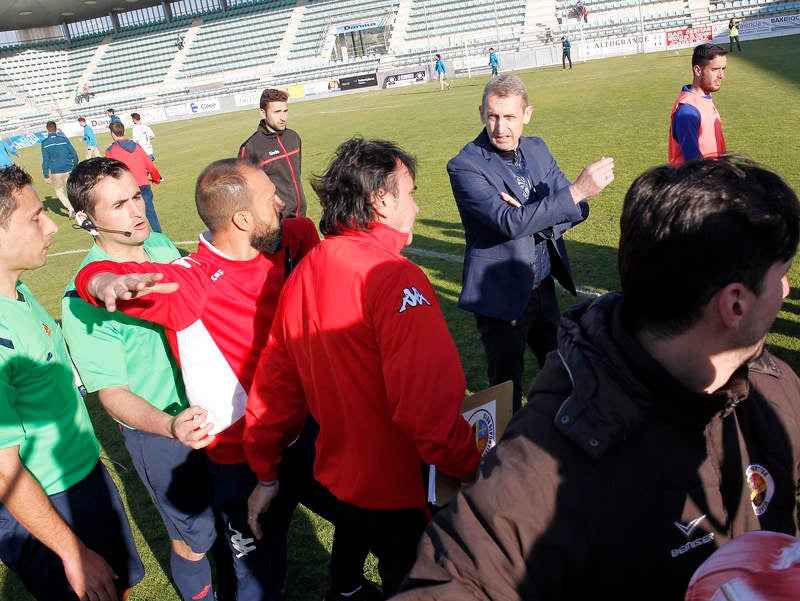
[(515, 203)]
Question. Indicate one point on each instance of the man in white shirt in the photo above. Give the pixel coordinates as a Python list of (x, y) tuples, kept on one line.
[(142, 134)]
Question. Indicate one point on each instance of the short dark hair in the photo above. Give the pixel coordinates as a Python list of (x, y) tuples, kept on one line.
[(109, 110), (51, 126), (86, 175), (705, 53), (687, 232), (221, 190), (136, 116), (272, 95), (360, 168), (81, 119), (12, 180), (117, 128)]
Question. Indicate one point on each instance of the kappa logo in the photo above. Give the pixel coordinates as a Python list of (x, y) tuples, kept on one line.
[(217, 275), (412, 298), (762, 487), (688, 529), (240, 544), (272, 153)]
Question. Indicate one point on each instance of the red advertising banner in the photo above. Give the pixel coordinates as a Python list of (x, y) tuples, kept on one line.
[(689, 36)]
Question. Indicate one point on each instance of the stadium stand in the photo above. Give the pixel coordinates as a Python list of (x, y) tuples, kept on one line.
[(321, 17), (250, 44), (136, 57), (242, 37)]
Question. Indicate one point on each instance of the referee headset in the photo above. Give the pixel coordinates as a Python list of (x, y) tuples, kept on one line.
[(85, 222)]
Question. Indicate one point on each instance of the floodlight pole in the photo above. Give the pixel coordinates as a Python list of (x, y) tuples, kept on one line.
[(641, 26), (427, 31), (496, 24)]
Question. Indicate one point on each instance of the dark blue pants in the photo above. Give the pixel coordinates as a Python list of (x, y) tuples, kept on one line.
[(504, 341), (260, 565), (150, 208), (94, 511)]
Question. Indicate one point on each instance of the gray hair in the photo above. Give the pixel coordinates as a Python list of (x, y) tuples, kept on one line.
[(503, 86)]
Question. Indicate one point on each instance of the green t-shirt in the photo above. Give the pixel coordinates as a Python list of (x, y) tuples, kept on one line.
[(41, 409), (114, 349)]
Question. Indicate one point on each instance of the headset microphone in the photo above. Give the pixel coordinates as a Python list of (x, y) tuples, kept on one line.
[(87, 224)]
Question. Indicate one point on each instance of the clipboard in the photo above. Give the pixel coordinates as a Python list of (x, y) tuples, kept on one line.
[(488, 412)]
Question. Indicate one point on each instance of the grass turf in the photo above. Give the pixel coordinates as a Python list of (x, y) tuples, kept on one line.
[(615, 107)]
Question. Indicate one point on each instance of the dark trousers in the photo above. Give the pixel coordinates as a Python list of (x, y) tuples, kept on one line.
[(504, 341), (391, 535), (564, 58), (260, 565)]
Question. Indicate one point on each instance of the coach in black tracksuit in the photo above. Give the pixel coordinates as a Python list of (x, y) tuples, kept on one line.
[(277, 150)]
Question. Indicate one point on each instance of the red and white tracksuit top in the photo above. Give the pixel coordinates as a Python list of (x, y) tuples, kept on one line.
[(216, 322)]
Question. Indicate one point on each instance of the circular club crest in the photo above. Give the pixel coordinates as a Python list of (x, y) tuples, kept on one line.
[(762, 487), (483, 427)]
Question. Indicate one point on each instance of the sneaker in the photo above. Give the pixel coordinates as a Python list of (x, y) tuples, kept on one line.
[(366, 592)]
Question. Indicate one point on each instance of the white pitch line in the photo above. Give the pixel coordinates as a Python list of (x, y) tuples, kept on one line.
[(457, 259), (86, 250), (421, 252)]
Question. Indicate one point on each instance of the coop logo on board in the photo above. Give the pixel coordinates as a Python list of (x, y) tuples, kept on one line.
[(204, 106)]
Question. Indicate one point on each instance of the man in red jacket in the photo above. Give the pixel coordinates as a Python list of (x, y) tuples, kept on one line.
[(359, 341), (139, 163)]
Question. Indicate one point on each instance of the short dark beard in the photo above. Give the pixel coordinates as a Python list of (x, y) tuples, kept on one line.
[(274, 129), (267, 241)]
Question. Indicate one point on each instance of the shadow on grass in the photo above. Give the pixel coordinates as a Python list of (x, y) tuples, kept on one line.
[(440, 253), (772, 55), (53, 205)]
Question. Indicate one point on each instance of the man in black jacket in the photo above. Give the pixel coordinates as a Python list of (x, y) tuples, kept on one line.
[(277, 150), (661, 429)]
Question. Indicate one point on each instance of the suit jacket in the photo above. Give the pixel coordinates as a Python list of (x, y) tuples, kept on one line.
[(498, 262)]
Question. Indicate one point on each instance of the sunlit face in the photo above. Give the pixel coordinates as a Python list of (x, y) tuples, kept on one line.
[(26, 239), (504, 118), (398, 211), (276, 115), (118, 205), (709, 78), (265, 210)]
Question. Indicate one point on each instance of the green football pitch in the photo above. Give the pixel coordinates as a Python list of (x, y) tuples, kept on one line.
[(616, 107)]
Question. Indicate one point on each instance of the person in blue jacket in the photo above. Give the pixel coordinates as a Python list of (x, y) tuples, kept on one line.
[(566, 49), (58, 159), (515, 204), (88, 137), (494, 62), (6, 150), (441, 70)]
